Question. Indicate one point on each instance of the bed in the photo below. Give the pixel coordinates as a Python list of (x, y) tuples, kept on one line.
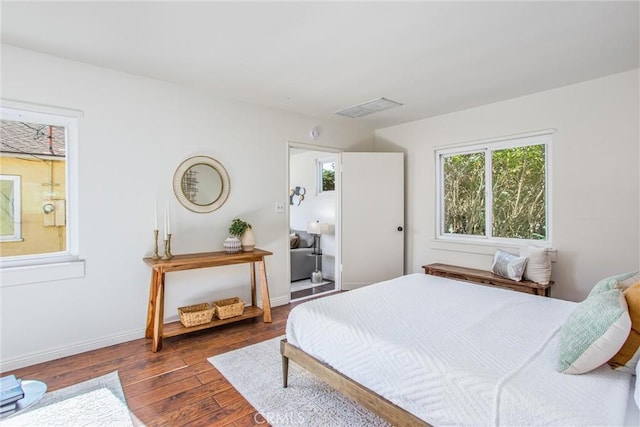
[(426, 350)]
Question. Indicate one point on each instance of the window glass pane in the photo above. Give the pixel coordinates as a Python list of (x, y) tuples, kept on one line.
[(464, 194), (328, 176), (518, 176), (7, 205), (36, 152)]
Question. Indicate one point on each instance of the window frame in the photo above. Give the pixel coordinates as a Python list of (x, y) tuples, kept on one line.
[(24, 269), (487, 147), (17, 208)]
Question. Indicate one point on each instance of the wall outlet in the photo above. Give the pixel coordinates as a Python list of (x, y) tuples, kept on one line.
[(279, 207)]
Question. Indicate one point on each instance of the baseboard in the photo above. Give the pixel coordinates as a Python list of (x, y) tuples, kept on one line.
[(276, 301), (57, 353)]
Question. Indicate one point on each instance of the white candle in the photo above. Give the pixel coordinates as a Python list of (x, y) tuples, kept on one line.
[(155, 216), (165, 223), (168, 219)]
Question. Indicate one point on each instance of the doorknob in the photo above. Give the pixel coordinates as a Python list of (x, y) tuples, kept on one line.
[(400, 228)]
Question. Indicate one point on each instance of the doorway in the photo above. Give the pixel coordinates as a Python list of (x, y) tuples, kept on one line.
[(313, 221)]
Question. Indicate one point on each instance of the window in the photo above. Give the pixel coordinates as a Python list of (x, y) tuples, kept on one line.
[(37, 224), (497, 191), (10, 219), (326, 175)]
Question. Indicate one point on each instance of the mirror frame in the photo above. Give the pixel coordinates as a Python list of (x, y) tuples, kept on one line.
[(188, 164)]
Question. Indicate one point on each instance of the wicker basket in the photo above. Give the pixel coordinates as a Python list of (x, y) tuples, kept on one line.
[(229, 307), (197, 314)]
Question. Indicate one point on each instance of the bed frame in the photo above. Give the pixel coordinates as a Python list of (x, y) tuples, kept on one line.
[(365, 397)]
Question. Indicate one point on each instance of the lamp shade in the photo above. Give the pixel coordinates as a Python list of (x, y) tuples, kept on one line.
[(314, 227), (318, 227)]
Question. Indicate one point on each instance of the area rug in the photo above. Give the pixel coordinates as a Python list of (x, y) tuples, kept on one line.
[(256, 372), (97, 402), (300, 285)]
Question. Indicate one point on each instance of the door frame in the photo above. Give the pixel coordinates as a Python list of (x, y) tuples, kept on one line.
[(338, 195)]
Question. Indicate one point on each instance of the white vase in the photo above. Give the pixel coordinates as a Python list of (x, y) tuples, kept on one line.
[(248, 241), (232, 245)]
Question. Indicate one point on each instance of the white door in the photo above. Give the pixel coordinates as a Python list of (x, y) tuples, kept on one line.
[(372, 208)]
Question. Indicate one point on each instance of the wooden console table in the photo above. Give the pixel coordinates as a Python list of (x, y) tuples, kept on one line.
[(156, 329), (486, 278)]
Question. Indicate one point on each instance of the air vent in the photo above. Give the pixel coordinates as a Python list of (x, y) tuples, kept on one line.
[(367, 108)]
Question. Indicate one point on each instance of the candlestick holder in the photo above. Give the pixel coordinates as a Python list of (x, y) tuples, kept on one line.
[(155, 245), (167, 248)]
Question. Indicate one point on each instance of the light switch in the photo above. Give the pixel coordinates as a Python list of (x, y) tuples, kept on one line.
[(279, 207)]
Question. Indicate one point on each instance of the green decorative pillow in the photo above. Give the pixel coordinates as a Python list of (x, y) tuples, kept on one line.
[(594, 332), (625, 284), (612, 282)]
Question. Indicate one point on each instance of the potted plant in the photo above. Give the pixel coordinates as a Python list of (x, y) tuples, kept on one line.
[(242, 230)]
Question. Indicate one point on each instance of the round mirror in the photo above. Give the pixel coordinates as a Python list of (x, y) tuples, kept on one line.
[(201, 184)]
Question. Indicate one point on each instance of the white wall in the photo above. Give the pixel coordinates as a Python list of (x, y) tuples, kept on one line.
[(314, 207), (595, 180), (134, 134)]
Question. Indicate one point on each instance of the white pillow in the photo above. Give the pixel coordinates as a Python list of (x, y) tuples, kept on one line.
[(538, 267), (594, 332), (508, 265)]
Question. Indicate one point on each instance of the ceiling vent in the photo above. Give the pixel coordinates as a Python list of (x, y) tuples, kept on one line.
[(367, 108)]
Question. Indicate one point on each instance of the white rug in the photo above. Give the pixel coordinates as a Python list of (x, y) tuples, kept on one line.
[(300, 285), (97, 402), (256, 372)]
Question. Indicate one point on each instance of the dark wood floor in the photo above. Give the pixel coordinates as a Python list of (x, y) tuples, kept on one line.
[(175, 386)]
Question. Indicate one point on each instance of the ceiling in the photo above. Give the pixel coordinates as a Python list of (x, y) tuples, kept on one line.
[(316, 58)]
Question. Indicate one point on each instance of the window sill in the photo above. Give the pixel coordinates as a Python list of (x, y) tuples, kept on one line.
[(25, 275)]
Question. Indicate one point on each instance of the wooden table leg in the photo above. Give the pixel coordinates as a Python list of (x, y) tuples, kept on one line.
[(264, 287), (252, 265), (158, 319), (152, 304)]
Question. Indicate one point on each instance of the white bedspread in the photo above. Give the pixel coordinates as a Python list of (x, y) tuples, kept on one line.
[(454, 353)]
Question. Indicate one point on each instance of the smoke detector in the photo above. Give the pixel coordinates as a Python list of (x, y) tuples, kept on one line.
[(367, 108)]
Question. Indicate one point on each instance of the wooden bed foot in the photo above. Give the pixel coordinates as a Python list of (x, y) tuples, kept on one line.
[(285, 365), (349, 388)]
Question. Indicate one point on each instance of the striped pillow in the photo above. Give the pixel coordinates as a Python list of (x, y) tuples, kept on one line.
[(508, 265), (626, 359)]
